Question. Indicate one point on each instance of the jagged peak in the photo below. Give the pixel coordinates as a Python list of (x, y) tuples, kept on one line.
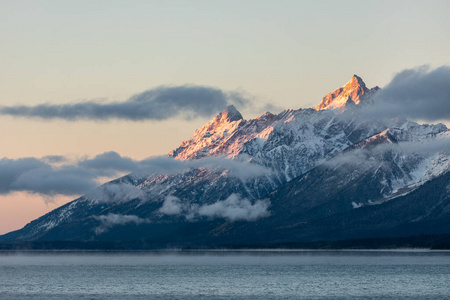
[(219, 128), (352, 91), (265, 115), (230, 113), (355, 81)]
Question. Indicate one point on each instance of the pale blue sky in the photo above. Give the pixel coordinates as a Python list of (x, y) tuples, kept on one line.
[(288, 53)]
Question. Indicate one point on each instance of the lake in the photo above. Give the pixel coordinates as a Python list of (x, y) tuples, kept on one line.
[(226, 275)]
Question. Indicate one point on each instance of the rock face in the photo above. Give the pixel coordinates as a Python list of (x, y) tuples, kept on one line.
[(353, 92), (278, 177)]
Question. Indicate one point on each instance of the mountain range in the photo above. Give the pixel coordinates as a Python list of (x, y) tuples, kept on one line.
[(328, 173)]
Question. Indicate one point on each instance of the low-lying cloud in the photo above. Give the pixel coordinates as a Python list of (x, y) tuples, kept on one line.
[(111, 220), (240, 167), (416, 151), (38, 176), (234, 208), (429, 147), (58, 175), (115, 193), (109, 163), (420, 93), (161, 103), (172, 206)]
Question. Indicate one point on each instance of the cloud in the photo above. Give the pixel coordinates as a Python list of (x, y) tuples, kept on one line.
[(415, 151), (110, 220), (356, 205), (428, 147), (420, 93), (51, 181), (240, 167), (36, 176), (115, 192), (109, 163), (162, 165), (161, 103), (234, 208), (57, 175), (171, 206), (54, 159)]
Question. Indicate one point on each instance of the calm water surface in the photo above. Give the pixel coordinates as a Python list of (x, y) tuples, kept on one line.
[(226, 275)]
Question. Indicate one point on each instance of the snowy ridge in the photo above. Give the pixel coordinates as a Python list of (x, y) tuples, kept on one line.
[(289, 144), (406, 161)]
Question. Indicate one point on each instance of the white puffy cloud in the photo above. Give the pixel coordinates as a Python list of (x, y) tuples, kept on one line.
[(234, 208), (171, 206)]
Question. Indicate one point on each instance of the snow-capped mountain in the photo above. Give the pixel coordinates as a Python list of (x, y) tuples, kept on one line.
[(292, 166), (353, 92)]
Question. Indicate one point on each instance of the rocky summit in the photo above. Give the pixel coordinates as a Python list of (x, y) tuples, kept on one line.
[(299, 176), (353, 92)]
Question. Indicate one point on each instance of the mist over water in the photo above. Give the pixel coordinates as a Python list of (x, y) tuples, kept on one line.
[(225, 275)]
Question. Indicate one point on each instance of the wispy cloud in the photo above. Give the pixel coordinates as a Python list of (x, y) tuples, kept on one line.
[(111, 220), (415, 151), (239, 167), (115, 192), (161, 103)]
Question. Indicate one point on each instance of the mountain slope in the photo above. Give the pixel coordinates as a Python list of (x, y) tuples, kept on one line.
[(295, 169)]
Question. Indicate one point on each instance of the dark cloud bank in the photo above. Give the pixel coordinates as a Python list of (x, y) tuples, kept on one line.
[(419, 93), (156, 104), (38, 176), (56, 175)]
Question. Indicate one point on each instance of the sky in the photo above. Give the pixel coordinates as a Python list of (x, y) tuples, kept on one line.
[(254, 54)]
